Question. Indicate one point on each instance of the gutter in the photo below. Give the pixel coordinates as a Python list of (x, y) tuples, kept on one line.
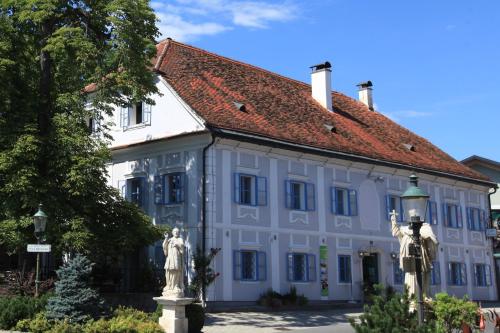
[(489, 205), (204, 210), (346, 156)]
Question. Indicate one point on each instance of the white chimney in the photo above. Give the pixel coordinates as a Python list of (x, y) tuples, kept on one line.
[(321, 84), (365, 94)]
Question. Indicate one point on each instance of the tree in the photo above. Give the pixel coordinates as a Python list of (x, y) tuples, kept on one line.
[(50, 50), (74, 300)]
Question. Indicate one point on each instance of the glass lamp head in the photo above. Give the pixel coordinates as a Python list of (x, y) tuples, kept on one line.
[(40, 221), (415, 202)]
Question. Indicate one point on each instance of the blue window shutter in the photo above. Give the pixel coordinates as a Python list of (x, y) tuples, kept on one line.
[(353, 203), (124, 117), (445, 215), (237, 265), (143, 192), (158, 190), (434, 213), (487, 274), (261, 186), (401, 215), (333, 200), (469, 218), (311, 267), (459, 217), (288, 194), (261, 266), (476, 275), (289, 266), (463, 272), (182, 187), (483, 219), (388, 207), (146, 113), (341, 268), (237, 198), (166, 189), (450, 271), (310, 197)]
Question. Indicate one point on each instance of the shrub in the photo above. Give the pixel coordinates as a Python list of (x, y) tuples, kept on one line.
[(270, 299), (290, 297), (196, 317), (39, 324), (452, 312), (74, 300), (17, 308)]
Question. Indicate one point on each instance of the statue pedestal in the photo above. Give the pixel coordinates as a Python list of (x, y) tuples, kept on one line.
[(173, 319)]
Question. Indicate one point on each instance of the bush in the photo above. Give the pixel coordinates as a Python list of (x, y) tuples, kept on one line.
[(74, 300), (196, 317), (39, 324), (270, 299), (452, 312), (17, 308)]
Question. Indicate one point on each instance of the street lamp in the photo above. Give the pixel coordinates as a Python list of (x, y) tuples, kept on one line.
[(415, 202), (40, 222)]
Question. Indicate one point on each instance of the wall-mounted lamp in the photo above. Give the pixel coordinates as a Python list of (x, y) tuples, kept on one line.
[(227, 233), (363, 253), (394, 256)]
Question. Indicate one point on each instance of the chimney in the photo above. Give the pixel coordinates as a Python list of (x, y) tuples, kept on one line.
[(321, 84), (365, 94)]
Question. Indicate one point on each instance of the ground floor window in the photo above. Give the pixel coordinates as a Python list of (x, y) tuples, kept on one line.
[(344, 269), (482, 275), (249, 265), (457, 274), (301, 267), (435, 274), (398, 273)]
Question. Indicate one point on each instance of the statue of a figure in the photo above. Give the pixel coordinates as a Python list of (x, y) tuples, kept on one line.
[(173, 248), (429, 250)]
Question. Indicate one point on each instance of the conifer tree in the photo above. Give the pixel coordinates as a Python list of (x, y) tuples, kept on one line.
[(74, 299)]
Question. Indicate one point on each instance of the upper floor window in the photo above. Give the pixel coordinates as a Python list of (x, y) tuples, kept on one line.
[(476, 219), (397, 272), (452, 215), (432, 214), (435, 273), (169, 188), (249, 265), (133, 190), (135, 114), (457, 274), (299, 195), (344, 201), (301, 267), (393, 202), (344, 268), (250, 190), (482, 275)]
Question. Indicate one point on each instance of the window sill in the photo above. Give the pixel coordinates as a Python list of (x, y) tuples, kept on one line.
[(249, 281), (455, 228), (136, 126), (173, 205), (344, 283), (301, 282)]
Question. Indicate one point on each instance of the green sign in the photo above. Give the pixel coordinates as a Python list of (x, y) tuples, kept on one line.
[(323, 269)]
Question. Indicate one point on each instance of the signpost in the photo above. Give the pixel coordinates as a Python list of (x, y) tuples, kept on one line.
[(39, 248)]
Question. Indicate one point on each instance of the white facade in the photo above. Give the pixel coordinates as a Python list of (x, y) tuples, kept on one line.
[(278, 239)]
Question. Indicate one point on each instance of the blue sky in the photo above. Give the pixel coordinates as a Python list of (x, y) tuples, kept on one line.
[(435, 65)]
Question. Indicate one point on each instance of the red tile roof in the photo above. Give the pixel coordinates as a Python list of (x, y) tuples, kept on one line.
[(281, 108)]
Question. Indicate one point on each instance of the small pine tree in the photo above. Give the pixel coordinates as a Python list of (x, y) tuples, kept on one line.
[(74, 299)]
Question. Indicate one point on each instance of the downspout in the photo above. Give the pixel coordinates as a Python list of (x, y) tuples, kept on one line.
[(204, 211), (493, 245)]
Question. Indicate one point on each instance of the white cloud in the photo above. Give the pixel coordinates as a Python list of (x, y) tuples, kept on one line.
[(398, 115), (186, 20)]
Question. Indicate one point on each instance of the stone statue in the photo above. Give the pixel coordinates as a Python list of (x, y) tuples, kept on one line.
[(429, 250), (173, 248)]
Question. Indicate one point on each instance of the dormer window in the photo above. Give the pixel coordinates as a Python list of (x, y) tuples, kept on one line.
[(135, 114)]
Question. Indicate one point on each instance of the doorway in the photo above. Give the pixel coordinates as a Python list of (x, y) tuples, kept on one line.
[(370, 271)]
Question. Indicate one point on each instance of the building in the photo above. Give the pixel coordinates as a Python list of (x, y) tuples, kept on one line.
[(292, 181), (490, 169)]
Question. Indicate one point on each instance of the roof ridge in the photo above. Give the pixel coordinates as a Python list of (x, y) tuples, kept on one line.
[(238, 62), (163, 52)]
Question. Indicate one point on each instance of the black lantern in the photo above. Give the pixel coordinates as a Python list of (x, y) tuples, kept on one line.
[(40, 222)]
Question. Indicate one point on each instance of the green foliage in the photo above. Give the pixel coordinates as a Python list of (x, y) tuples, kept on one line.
[(204, 274), (274, 299), (49, 52), (39, 324), (196, 317), (452, 312), (74, 300), (389, 313), (18, 308)]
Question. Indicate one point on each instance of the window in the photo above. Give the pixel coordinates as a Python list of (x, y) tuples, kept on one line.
[(249, 265), (135, 114), (344, 201), (133, 190), (432, 214), (476, 219), (452, 215), (301, 267), (482, 275), (398, 273), (393, 202), (250, 190), (457, 274), (435, 273), (169, 188), (344, 269), (299, 195)]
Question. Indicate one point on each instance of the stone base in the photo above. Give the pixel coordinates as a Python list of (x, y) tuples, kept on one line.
[(173, 319)]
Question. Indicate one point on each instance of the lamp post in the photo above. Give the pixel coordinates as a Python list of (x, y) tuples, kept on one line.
[(40, 222), (415, 209)]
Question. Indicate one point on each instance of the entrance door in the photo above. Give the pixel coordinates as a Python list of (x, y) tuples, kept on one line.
[(370, 270)]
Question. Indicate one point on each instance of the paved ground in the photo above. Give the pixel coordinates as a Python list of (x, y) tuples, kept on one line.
[(324, 321)]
